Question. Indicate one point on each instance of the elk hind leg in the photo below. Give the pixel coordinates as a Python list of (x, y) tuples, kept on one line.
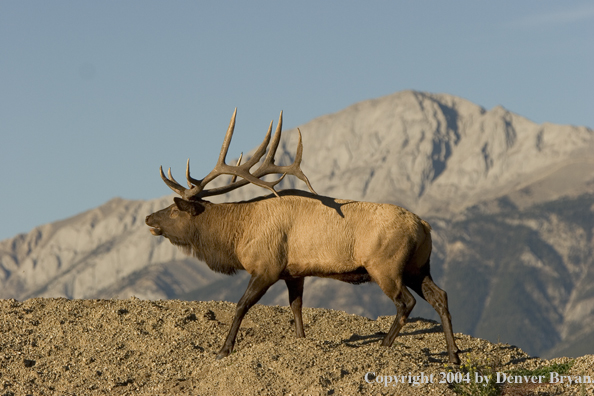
[(402, 298), (405, 302), (438, 298), (295, 287), (256, 288)]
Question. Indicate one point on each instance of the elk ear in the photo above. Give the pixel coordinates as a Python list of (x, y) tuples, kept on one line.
[(193, 208)]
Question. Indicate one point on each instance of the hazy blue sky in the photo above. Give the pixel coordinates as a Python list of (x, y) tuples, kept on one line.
[(94, 96)]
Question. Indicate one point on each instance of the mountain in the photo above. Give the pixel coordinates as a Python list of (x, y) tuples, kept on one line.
[(511, 203)]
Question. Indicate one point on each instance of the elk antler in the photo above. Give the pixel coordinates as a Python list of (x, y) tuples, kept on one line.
[(197, 191)]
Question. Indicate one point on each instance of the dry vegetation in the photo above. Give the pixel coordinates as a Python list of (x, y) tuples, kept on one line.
[(129, 347)]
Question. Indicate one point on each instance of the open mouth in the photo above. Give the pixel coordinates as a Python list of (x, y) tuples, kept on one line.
[(156, 231)]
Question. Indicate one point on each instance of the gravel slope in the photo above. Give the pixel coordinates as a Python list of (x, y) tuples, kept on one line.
[(129, 347)]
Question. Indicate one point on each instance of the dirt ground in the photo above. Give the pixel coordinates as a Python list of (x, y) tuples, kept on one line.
[(138, 347)]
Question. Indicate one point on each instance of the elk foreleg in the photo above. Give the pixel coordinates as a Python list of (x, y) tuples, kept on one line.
[(256, 288), (295, 287)]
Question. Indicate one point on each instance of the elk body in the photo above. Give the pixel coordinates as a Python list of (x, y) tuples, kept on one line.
[(292, 234)]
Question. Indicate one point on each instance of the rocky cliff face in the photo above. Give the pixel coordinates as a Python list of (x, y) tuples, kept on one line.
[(511, 203)]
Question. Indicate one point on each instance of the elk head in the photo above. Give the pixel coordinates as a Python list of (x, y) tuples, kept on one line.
[(173, 222)]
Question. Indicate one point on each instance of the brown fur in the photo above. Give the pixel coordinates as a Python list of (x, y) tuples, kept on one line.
[(302, 234)]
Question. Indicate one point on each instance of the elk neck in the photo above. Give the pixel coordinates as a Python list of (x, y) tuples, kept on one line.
[(216, 232)]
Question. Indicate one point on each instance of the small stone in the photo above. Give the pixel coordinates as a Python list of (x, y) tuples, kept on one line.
[(28, 362)]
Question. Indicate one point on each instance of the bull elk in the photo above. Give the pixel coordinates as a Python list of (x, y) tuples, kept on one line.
[(292, 234)]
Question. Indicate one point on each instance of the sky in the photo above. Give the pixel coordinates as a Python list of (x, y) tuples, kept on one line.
[(95, 96)]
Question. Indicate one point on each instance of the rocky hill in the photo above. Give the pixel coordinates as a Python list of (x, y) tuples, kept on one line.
[(140, 347), (511, 203)]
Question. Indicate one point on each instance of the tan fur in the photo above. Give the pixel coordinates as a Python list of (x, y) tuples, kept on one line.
[(302, 234)]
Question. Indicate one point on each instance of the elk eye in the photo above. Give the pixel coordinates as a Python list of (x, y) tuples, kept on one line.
[(174, 213)]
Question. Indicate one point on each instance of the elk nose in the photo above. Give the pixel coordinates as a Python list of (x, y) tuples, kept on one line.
[(147, 219)]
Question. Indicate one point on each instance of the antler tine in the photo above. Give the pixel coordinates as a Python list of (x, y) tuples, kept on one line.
[(297, 164), (189, 179), (172, 184), (275, 141), (222, 156), (171, 176), (237, 164), (228, 137)]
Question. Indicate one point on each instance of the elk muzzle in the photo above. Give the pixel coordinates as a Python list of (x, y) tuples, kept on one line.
[(154, 229)]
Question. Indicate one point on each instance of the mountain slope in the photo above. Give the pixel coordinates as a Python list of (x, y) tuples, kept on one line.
[(523, 276), (92, 253), (510, 202)]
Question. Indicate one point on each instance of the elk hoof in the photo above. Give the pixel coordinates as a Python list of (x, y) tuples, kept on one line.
[(223, 353), (454, 359)]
